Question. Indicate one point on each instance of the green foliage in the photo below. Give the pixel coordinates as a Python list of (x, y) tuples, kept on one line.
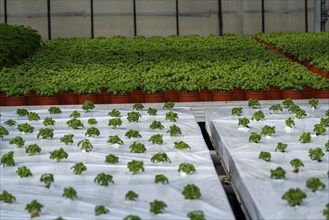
[(157, 206), (191, 191), (54, 110), (10, 122), (156, 139), (133, 116), (131, 196), (276, 108), (112, 159), (314, 184), (325, 212), (18, 141), (3, 131), (33, 116), (46, 133), (134, 166), (22, 112), (88, 106), (281, 147), (324, 122), (101, 210), (268, 130), (253, 103), (290, 122), (316, 154), (181, 145), (196, 215), (294, 196), (6, 197), (160, 157), (47, 179), (152, 111), (296, 164), (92, 121), (67, 139), (85, 145), (132, 217), (313, 102), (75, 114), (244, 122), (319, 129), (265, 155), (48, 121), (23, 172), (58, 155), (8, 159), (33, 149), (160, 178), (137, 148), (70, 193), (171, 116), (258, 115), (115, 122), (237, 111), (138, 106), (254, 137), (75, 123), (187, 168), (327, 145), (132, 134), (305, 137), (78, 168), (114, 140), (103, 179), (115, 113), (156, 125), (34, 207), (174, 130), (287, 103), (92, 132), (278, 173), (169, 105), (300, 114)]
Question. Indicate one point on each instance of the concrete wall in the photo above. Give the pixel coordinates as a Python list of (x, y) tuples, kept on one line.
[(71, 18)]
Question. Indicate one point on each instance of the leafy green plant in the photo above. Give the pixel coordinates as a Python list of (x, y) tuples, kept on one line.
[(296, 164), (169, 105), (33, 149), (70, 193), (171, 116), (196, 215), (112, 159), (253, 103), (92, 132), (268, 130), (67, 139), (152, 111), (156, 139), (137, 148), (23, 172), (34, 207), (115, 113), (132, 134), (85, 145), (237, 111), (181, 145), (138, 106), (47, 179), (8, 159), (92, 121), (75, 114), (324, 122), (131, 196), (133, 116), (325, 212), (115, 122), (114, 140), (187, 168), (319, 129), (10, 122), (58, 155), (313, 102), (281, 147), (300, 114), (134, 166), (278, 173), (48, 121), (254, 137), (258, 115), (79, 168), (288, 102), (132, 217), (88, 106), (174, 130), (290, 122), (6, 197), (305, 137), (294, 108), (191, 191), (54, 110), (157, 206), (101, 210), (22, 112), (3, 131), (160, 157), (103, 179), (46, 133), (18, 141), (314, 184), (294, 196), (156, 125), (244, 122), (276, 108), (316, 154), (33, 116), (75, 123), (160, 178), (265, 155)]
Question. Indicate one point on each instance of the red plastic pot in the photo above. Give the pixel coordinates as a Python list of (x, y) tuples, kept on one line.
[(222, 96), (16, 100), (239, 94), (274, 93), (69, 98), (3, 99), (258, 95), (188, 96), (171, 96), (321, 94), (205, 95), (120, 98), (33, 98), (49, 100), (137, 96), (292, 94), (154, 98), (104, 98), (92, 98), (307, 93)]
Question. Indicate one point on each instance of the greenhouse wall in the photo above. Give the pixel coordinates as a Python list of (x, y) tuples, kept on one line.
[(97, 18)]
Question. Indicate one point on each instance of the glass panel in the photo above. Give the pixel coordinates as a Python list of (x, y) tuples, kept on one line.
[(2, 13), (252, 17), (327, 24), (231, 17)]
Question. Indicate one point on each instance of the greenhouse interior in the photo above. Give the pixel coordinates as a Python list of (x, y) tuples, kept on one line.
[(164, 109)]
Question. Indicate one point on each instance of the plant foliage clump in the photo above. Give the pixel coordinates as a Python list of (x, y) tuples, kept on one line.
[(294, 196), (157, 206), (191, 191)]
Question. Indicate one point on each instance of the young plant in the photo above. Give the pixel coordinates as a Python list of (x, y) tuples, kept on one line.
[(58, 155), (88, 106), (152, 111), (300, 114), (3, 131), (294, 196), (10, 122), (156, 139), (103, 179), (112, 159), (276, 108), (133, 116), (313, 102), (47, 179), (327, 113), (324, 122), (67, 139), (314, 184), (18, 141), (160, 178), (169, 105), (187, 168), (34, 208), (319, 129), (181, 145), (278, 173), (258, 115), (132, 134), (281, 147), (100, 210), (70, 193), (8, 159), (6, 197), (75, 123), (131, 196), (46, 133), (156, 125), (253, 103), (196, 215), (265, 156), (114, 113), (115, 122), (268, 130), (290, 122), (287, 103), (254, 137), (75, 114), (92, 121), (22, 112), (32, 149), (132, 217), (191, 191), (171, 116), (157, 206), (85, 145), (174, 130), (33, 116), (305, 137), (134, 166), (316, 154), (114, 140), (92, 132), (138, 106), (23, 172), (296, 164), (137, 148), (54, 110), (48, 121), (160, 157), (78, 168), (237, 111), (294, 109), (244, 122)]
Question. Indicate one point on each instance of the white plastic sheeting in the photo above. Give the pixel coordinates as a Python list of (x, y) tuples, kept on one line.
[(213, 201), (250, 176)]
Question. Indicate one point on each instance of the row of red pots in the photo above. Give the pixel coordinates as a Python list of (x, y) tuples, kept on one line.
[(141, 97)]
